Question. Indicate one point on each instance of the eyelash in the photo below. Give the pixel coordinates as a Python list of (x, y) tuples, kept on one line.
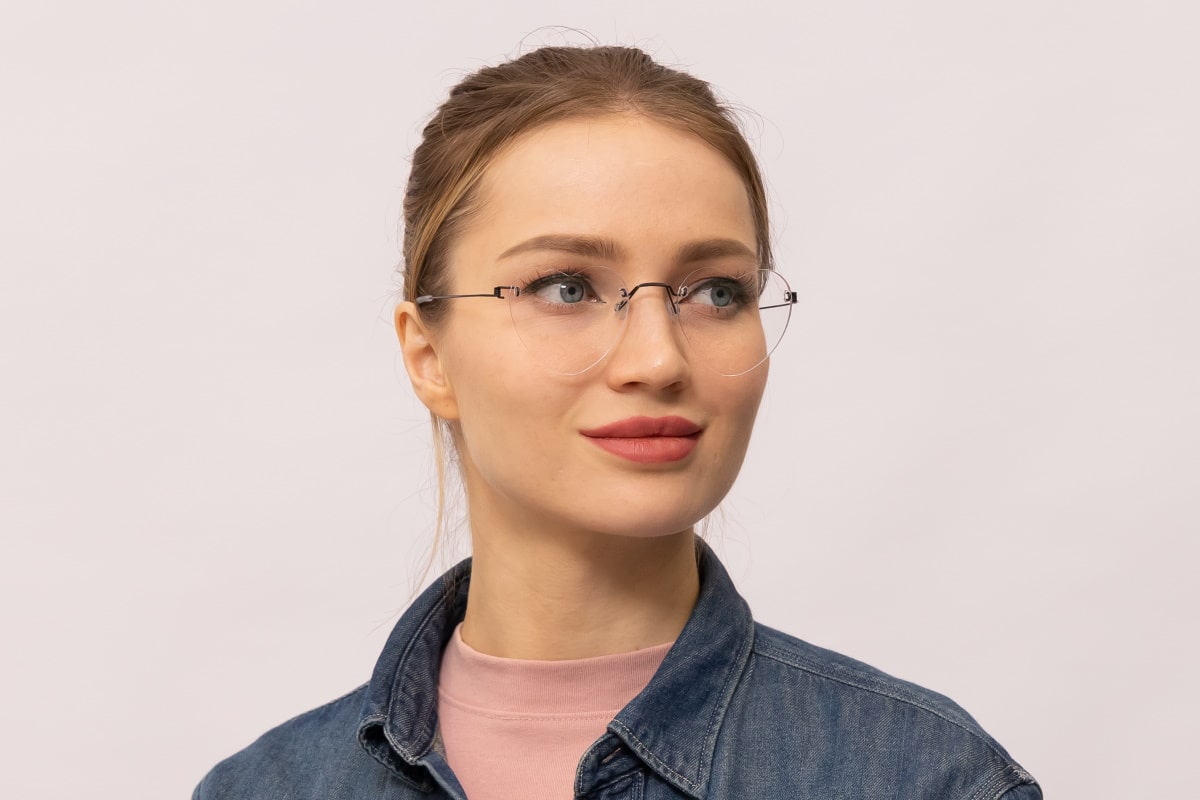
[(742, 292), (545, 277)]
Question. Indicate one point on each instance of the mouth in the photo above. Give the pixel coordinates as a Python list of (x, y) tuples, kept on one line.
[(647, 440)]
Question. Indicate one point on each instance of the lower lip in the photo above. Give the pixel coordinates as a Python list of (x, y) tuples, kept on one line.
[(648, 449)]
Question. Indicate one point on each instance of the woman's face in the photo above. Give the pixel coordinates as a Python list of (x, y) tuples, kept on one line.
[(644, 195)]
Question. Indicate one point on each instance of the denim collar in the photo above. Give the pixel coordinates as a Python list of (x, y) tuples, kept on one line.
[(671, 726)]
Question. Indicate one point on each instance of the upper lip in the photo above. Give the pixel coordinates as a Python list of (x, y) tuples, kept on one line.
[(641, 427)]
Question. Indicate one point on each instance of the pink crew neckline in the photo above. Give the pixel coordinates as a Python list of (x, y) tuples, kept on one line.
[(519, 688)]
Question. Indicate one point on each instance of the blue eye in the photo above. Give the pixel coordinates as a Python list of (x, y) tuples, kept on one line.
[(721, 296), (723, 293), (569, 291), (560, 289)]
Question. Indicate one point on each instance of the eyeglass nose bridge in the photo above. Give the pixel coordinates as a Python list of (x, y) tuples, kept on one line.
[(672, 295)]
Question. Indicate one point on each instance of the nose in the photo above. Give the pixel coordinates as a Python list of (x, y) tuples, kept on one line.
[(652, 350)]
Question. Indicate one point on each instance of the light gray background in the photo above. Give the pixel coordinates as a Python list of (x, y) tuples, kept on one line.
[(975, 466)]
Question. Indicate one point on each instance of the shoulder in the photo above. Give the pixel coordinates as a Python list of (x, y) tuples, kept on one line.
[(786, 657), (307, 756), (836, 720)]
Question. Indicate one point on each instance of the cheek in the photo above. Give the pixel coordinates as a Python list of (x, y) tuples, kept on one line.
[(754, 399), (739, 402), (508, 413), (741, 397)]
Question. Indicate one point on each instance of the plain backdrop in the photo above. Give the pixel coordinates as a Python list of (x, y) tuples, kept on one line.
[(975, 466)]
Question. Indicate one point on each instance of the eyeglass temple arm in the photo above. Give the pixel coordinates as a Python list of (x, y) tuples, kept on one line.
[(789, 299), (497, 291)]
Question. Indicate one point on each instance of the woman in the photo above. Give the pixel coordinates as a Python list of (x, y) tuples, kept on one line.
[(589, 310)]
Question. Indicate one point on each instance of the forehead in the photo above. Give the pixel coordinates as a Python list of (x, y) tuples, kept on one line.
[(649, 188)]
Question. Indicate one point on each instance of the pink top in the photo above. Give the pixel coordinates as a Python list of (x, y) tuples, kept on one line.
[(517, 728)]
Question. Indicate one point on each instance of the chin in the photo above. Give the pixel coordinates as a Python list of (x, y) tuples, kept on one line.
[(648, 523), (647, 509)]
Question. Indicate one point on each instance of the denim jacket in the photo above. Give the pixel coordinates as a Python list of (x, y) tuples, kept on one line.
[(736, 710)]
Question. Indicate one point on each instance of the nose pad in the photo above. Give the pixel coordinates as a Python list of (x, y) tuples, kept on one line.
[(668, 291), (625, 306), (641, 355)]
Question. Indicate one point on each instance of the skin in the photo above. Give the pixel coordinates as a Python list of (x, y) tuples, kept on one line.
[(578, 552)]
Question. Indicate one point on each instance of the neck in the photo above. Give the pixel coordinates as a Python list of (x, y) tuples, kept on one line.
[(577, 596)]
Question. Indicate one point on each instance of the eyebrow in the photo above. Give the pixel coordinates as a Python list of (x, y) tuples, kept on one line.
[(608, 250), (714, 248), (587, 246)]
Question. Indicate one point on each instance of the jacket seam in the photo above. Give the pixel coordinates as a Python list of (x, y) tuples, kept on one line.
[(646, 753), (202, 787), (725, 697), (442, 600), (631, 774), (735, 673), (1001, 781), (768, 652), (713, 726)]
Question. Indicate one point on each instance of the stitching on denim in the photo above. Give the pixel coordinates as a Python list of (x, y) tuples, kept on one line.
[(631, 775), (639, 785), (767, 651), (998, 783), (645, 753), (712, 729), (721, 707), (425, 622), (1007, 777), (992, 786), (732, 675)]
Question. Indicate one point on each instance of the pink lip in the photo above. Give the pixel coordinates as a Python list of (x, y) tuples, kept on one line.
[(648, 440)]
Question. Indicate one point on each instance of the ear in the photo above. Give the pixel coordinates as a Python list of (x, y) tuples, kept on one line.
[(423, 363)]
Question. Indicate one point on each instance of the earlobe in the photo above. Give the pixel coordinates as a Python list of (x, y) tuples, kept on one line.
[(423, 363)]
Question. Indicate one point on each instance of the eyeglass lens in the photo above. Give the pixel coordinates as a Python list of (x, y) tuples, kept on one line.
[(731, 321)]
